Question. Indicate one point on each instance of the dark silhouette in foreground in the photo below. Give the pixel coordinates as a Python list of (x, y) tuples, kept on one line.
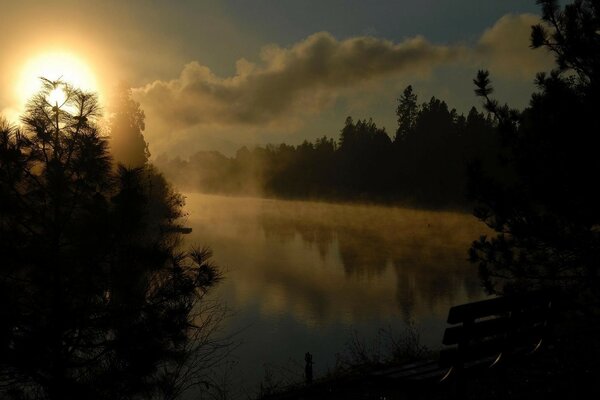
[(542, 201), (96, 301), (486, 341), (308, 369), (540, 198)]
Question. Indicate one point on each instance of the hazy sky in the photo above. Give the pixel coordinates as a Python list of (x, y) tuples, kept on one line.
[(219, 74)]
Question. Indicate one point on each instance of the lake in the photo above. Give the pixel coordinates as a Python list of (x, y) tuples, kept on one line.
[(309, 276)]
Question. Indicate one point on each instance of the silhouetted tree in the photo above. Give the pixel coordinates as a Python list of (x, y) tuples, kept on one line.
[(542, 201), (364, 156), (407, 112), (127, 143), (96, 301)]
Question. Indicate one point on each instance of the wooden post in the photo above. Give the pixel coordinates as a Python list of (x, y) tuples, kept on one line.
[(308, 369)]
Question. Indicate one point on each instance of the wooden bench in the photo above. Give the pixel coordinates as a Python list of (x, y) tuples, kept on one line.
[(482, 335), (495, 331)]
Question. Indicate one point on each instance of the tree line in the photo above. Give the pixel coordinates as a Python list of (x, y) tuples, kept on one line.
[(424, 164)]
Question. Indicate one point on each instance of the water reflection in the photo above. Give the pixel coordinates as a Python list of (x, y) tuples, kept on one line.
[(330, 263)]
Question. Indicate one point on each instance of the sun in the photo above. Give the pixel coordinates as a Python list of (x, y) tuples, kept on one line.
[(54, 65)]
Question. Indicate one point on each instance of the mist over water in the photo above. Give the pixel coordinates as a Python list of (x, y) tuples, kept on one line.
[(304, 276)]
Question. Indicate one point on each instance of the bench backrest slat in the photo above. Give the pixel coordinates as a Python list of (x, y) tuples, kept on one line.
[(497, 306), (499, 325), (496, 326)]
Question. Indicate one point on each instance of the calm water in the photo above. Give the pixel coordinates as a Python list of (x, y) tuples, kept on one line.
[(306, 276)]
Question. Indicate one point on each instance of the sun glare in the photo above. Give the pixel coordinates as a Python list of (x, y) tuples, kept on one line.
[(57, 65), (57, 96)]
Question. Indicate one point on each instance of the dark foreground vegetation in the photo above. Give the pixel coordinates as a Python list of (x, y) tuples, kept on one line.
[(396, 366), (565, 372), (96, 299)]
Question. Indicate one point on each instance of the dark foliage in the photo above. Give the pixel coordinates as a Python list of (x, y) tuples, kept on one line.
[(127, 144), (95, 300), (542, 200), (407, 112)]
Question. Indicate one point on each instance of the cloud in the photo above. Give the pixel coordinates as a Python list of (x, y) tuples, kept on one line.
[(504, 48), (289, 85), (304, 77)]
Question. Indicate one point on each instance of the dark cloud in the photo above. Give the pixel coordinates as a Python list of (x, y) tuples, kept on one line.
[(295, 80), (292, 84)]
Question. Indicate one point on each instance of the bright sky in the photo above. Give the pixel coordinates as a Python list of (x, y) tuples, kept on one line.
[(219, 74)]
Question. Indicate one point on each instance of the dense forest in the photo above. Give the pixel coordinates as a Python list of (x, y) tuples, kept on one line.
[(424, 164)]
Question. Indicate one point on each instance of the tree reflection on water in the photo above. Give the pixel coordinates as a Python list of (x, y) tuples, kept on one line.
[(325, 263)]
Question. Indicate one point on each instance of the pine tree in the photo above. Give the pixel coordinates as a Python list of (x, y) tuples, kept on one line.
[(543, 206), (407, 112), (96, 300)]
